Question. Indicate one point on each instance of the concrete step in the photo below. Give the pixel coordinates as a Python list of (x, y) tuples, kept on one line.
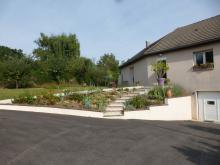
[(113, 108), (113, 113), (120, 101), (116, 104), (130, 95), (125, 98)]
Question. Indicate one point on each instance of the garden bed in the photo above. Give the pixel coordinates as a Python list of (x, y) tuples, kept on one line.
[(92, 100), (155, 97)]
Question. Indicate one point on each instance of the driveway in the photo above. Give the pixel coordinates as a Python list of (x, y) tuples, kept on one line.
[(43, 139)]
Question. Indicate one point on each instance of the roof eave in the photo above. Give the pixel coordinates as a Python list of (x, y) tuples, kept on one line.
[(169, 50)]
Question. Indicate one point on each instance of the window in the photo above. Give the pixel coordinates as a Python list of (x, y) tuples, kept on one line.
[(203, 60), (209, 57), (205, 57)]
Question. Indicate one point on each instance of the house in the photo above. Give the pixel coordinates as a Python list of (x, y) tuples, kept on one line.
[(193, 55)]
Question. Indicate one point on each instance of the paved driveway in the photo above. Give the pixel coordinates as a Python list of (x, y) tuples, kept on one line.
[(44, 139)]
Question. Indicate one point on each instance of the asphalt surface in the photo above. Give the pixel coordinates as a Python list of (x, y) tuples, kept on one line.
[(44, 139)]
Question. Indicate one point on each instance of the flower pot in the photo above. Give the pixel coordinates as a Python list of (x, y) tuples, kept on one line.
[(169, 93), (161, 81)]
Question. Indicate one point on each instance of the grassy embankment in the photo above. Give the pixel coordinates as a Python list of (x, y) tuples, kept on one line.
[(11, 93)]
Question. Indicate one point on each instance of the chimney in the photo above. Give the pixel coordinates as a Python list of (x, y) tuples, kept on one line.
[(147, 43)]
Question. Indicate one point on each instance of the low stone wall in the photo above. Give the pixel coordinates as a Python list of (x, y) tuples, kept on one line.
[(175, 109), (61, 111)]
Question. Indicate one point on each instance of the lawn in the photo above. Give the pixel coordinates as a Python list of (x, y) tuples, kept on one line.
[(11, 93)]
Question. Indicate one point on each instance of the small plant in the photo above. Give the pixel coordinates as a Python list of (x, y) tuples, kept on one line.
[(157, 93), (138, 102), (76, 97), (126, 90), (87, 103), (167, 81), (203, 66), (177, 90), (66, 92), (100, 105), (129, 106)]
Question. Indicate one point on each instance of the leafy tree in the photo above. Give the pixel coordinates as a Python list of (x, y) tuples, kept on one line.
[(15, 71), (109, 63), (14, 67), (83, 70), (55, 53), (8, 53), (57, 45)]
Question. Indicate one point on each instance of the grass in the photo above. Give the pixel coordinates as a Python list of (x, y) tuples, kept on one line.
[(11, 93)]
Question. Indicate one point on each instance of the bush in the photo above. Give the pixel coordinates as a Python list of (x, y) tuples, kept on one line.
[(24, 99), (138, 102), (87, 102), (177, 90), (129, 107), (76, 97), (47, 99), (157, 93), (44, 99)]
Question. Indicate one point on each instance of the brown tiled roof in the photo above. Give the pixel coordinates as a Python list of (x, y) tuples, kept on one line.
[(201, 32)]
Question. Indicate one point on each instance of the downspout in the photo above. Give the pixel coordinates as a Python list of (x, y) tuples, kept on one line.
[(197, 105)]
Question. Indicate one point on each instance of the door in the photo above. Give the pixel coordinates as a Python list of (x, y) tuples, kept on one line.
[(209, 106), (210, 109), (132, 75)]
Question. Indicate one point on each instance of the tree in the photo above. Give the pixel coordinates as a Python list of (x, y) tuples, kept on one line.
[(55, 53), (14, 67), (84, 70), (111, 67), (57, 45), (8, 53), (16, 71), (160, 68)]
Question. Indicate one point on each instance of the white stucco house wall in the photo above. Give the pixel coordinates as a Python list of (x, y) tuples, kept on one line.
[(193, 55)]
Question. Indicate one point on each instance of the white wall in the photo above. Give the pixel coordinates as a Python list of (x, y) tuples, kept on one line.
[(176, 109)]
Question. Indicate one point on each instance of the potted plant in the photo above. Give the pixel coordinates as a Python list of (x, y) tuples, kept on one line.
[(160, 68)]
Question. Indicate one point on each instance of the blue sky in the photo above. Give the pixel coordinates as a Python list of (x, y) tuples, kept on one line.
[(102, 26)]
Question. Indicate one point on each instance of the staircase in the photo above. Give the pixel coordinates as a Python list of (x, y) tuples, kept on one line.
[(116, 108)]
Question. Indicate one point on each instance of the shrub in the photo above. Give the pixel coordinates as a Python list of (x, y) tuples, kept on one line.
[(138, 101), (66, 92), (177, 90), (24, 99), (160, 68), (76, 97), (126, 89), (128, 106), (157, 93), (47, 99), (100, 105), (87, 102), (44, 99)]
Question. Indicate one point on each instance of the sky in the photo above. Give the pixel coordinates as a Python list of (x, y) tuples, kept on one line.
[(120, 27)]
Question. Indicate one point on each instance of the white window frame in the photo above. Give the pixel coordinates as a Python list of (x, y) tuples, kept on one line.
[(203, 56)]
